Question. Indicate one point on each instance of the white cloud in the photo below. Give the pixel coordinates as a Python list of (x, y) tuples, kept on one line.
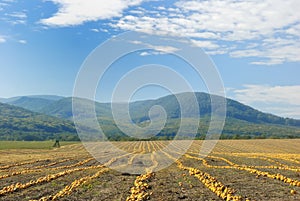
[(136, 12), (291, 111), (205, 44), (136, 42), (268, 30), (145, 54), (21, 15), (229, 26), (95, 30), (161, 8), (281, 100), (22, 41), (2, 39), (76, 12), (273, 50), (164, 49), (155, 49), (242, 19), (153, 52), (294, 30), (264, 93), (4, 4), (15, 18)]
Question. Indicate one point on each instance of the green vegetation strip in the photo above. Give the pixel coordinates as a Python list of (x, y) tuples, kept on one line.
[(31, 144)]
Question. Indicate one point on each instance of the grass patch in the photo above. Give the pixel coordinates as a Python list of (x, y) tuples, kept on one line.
[(31, 144)]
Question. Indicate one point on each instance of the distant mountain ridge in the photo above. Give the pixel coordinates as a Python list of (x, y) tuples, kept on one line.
[(33, 104), (242, 120), (234, 109), (47, 97), (17, 123), (62, 108)]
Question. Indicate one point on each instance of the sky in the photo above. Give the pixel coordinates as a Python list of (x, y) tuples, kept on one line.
[(254, 45)]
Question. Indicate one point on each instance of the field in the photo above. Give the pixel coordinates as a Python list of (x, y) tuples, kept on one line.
[(234, 170), (31, 144)]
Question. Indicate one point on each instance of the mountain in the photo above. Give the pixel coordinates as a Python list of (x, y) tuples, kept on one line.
[(20, 124), (7, 100), (139, 110), (47, 97), (234, 108), (33, 104), (63, 108), (242, 121)]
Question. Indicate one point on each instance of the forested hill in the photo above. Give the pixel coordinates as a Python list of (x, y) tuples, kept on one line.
[(242, 121), (20, 124), (235, 109)]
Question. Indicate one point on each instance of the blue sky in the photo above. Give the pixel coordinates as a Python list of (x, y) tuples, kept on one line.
[(254, 44)]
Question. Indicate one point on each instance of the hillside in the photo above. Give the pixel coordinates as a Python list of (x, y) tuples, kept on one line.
[(235, 109), (242, 121), (20, 124), (47, 97), (139, 110), (63, 108), (30, 103), (34, 102)]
